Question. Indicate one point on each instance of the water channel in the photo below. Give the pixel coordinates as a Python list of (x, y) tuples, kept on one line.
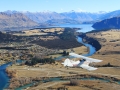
[(4, 78), (85, 28)]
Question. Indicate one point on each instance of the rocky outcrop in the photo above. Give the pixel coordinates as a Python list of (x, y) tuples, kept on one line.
[(112, 23)]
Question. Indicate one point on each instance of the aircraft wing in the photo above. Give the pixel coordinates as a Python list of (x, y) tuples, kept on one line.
[(82, 64), (87, 67), (86, 58)]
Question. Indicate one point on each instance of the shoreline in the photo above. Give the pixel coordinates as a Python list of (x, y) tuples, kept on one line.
[(91, 77), (91, 41)]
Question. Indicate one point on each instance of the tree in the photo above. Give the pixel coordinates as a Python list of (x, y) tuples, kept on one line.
[(109, 65), (65, 53)]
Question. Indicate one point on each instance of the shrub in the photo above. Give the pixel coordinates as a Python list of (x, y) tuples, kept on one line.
[(74, 82)]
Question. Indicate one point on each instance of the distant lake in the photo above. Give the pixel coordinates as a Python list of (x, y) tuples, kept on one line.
[(84, 27)]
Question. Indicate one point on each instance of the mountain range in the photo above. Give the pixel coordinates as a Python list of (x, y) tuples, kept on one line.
[(15, 19), (48, 17)]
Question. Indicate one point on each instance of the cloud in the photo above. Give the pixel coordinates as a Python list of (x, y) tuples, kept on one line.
[(80, 10)]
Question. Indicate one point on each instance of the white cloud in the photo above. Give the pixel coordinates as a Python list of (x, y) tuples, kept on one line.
[(80, 10)]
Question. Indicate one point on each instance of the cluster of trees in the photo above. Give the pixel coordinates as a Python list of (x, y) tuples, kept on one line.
[(107, 65), (66, 40), (65, 53), (36, 60), (5, 37), (17, 82), (58, 43), (67, 34)]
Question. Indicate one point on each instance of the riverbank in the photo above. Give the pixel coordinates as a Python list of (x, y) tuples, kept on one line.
[(92, 41), (110, 48), (4, 78), (36, 50), (58, 70), (26, 73)]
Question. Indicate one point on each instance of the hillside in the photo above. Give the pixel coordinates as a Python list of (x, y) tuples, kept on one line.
[(15, 21), (110, 46), (112, 23), (8, 37), (64, 39)]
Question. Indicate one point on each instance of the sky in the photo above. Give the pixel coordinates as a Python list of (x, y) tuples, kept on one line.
[(60, 5)]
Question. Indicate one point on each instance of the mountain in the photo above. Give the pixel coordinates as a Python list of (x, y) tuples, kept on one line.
[(41, 17), (110, 20), (112, 23), (110, 15), (65, 17), (19, 20), (15, 21)]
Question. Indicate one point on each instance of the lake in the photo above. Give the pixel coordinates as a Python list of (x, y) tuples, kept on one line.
[(84, 27)]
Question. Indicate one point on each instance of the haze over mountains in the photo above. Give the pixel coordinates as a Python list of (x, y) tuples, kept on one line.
[(15, 19)]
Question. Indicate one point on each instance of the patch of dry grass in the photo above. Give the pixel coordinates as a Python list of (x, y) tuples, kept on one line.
[(84, 85), (40, 31), (110, 50), (58, 69)]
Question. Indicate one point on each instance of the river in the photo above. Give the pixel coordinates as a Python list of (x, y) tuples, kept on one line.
[(3, 76), (85, 28)]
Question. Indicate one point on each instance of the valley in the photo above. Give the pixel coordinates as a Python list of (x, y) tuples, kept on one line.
[(32, 73), (59, 45)]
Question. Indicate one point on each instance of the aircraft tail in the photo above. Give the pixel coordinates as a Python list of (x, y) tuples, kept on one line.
[(67, 62)]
